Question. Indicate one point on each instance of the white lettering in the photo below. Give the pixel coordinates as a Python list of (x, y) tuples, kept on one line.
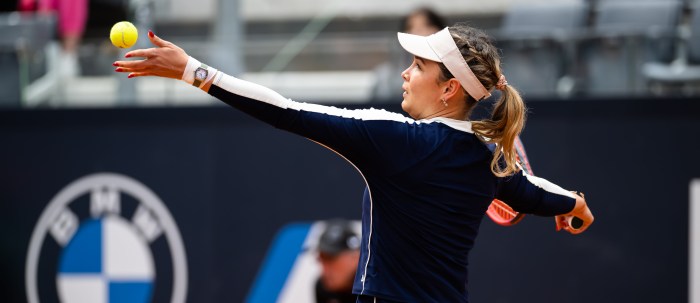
[(148, 225), (64, 227), (104, 200)]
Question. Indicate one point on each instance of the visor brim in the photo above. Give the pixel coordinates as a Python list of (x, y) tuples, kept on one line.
[(418, 46)]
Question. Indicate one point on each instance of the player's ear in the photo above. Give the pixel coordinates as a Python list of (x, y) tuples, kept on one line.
[(450, 88)]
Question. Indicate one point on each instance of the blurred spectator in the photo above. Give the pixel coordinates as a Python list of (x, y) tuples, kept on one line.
[(72, 16), (423, 21), (8, 6), (387, 86), (338, 253)]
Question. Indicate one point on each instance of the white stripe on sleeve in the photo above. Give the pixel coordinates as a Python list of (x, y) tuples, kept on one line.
[(264, 94), (548, 186)]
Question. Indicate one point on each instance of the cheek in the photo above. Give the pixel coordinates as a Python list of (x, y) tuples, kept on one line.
[(421, 89)]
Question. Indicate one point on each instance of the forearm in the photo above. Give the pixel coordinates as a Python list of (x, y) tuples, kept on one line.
[(253, 99), (534, 195)]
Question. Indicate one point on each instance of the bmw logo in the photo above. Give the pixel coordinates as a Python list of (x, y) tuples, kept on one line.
[(104, 226)]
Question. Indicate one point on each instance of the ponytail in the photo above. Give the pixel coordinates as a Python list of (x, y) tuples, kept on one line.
[(508, 115), (506, 123)]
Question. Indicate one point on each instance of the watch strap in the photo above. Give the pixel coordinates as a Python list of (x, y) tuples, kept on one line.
[(198, 82)]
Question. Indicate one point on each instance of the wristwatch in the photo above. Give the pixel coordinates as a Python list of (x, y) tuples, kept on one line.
[(200, 74)]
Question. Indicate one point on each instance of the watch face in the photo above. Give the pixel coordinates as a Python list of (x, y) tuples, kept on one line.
[(200, 73)]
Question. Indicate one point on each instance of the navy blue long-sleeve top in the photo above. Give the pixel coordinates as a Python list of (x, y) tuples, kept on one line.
[(429, 184)]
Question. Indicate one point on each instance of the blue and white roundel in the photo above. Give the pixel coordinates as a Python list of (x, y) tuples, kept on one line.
[(106, 261)]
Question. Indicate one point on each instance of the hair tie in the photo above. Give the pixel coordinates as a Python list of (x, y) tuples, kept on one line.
[(502, 82)]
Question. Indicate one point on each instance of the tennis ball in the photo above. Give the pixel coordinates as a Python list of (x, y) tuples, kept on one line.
[(123, 34)]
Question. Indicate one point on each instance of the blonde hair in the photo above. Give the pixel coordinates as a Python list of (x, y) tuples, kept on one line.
[(508, 114)]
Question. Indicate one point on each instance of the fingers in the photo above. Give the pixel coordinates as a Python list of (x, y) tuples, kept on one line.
[(587, 219), (142, 53), (580, 211), (576, 231), (157, 41), (128, 70), (132, 66), (126, 66), (166, 60), (150, 52), (140, 74), (161, 67), (560, 222)]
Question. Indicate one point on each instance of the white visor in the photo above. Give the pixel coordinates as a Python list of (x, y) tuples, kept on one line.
[(440, 47)]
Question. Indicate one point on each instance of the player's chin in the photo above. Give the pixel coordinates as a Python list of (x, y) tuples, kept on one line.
[(409, 108), (406, 106)]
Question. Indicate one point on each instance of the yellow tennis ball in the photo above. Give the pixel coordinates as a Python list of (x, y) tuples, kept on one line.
[(123, 34)]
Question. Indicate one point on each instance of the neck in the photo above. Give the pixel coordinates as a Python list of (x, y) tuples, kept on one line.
[(450, 112)]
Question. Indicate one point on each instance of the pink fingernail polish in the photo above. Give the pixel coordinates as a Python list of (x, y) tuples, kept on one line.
[(127, 56), (115, 64), (118, 69), (130, 76), (150, 33)]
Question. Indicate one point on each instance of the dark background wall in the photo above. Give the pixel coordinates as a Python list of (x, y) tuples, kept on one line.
[(232, 182)]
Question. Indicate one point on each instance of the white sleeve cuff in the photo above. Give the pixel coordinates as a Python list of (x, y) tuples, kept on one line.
[(192, 65)]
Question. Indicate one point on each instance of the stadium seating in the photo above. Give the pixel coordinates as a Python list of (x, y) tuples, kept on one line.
[(23, 41), (538, 47), (682, 75), (624, 35)]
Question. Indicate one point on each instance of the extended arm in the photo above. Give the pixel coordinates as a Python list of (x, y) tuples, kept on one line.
[(529, 194), (365, 137)]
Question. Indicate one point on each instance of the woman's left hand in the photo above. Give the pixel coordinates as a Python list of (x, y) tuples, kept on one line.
[(165, 60), (580, 211)]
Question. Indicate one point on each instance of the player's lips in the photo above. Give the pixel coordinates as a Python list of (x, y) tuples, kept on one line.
[(405, 91)]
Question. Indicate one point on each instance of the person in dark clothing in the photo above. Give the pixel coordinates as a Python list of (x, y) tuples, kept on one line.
[(338, 254), (430, 177)]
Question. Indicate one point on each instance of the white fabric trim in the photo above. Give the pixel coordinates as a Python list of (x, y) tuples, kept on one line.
[(261, 93), (188, 74), (217, 78), (210, 75), (361, 114), (461, 125), (264, 94), (548, 186)]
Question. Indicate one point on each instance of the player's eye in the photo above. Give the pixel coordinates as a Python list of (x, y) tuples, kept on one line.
[(416, 65)]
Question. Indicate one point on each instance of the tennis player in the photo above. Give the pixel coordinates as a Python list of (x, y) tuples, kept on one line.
[(430, 177)]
